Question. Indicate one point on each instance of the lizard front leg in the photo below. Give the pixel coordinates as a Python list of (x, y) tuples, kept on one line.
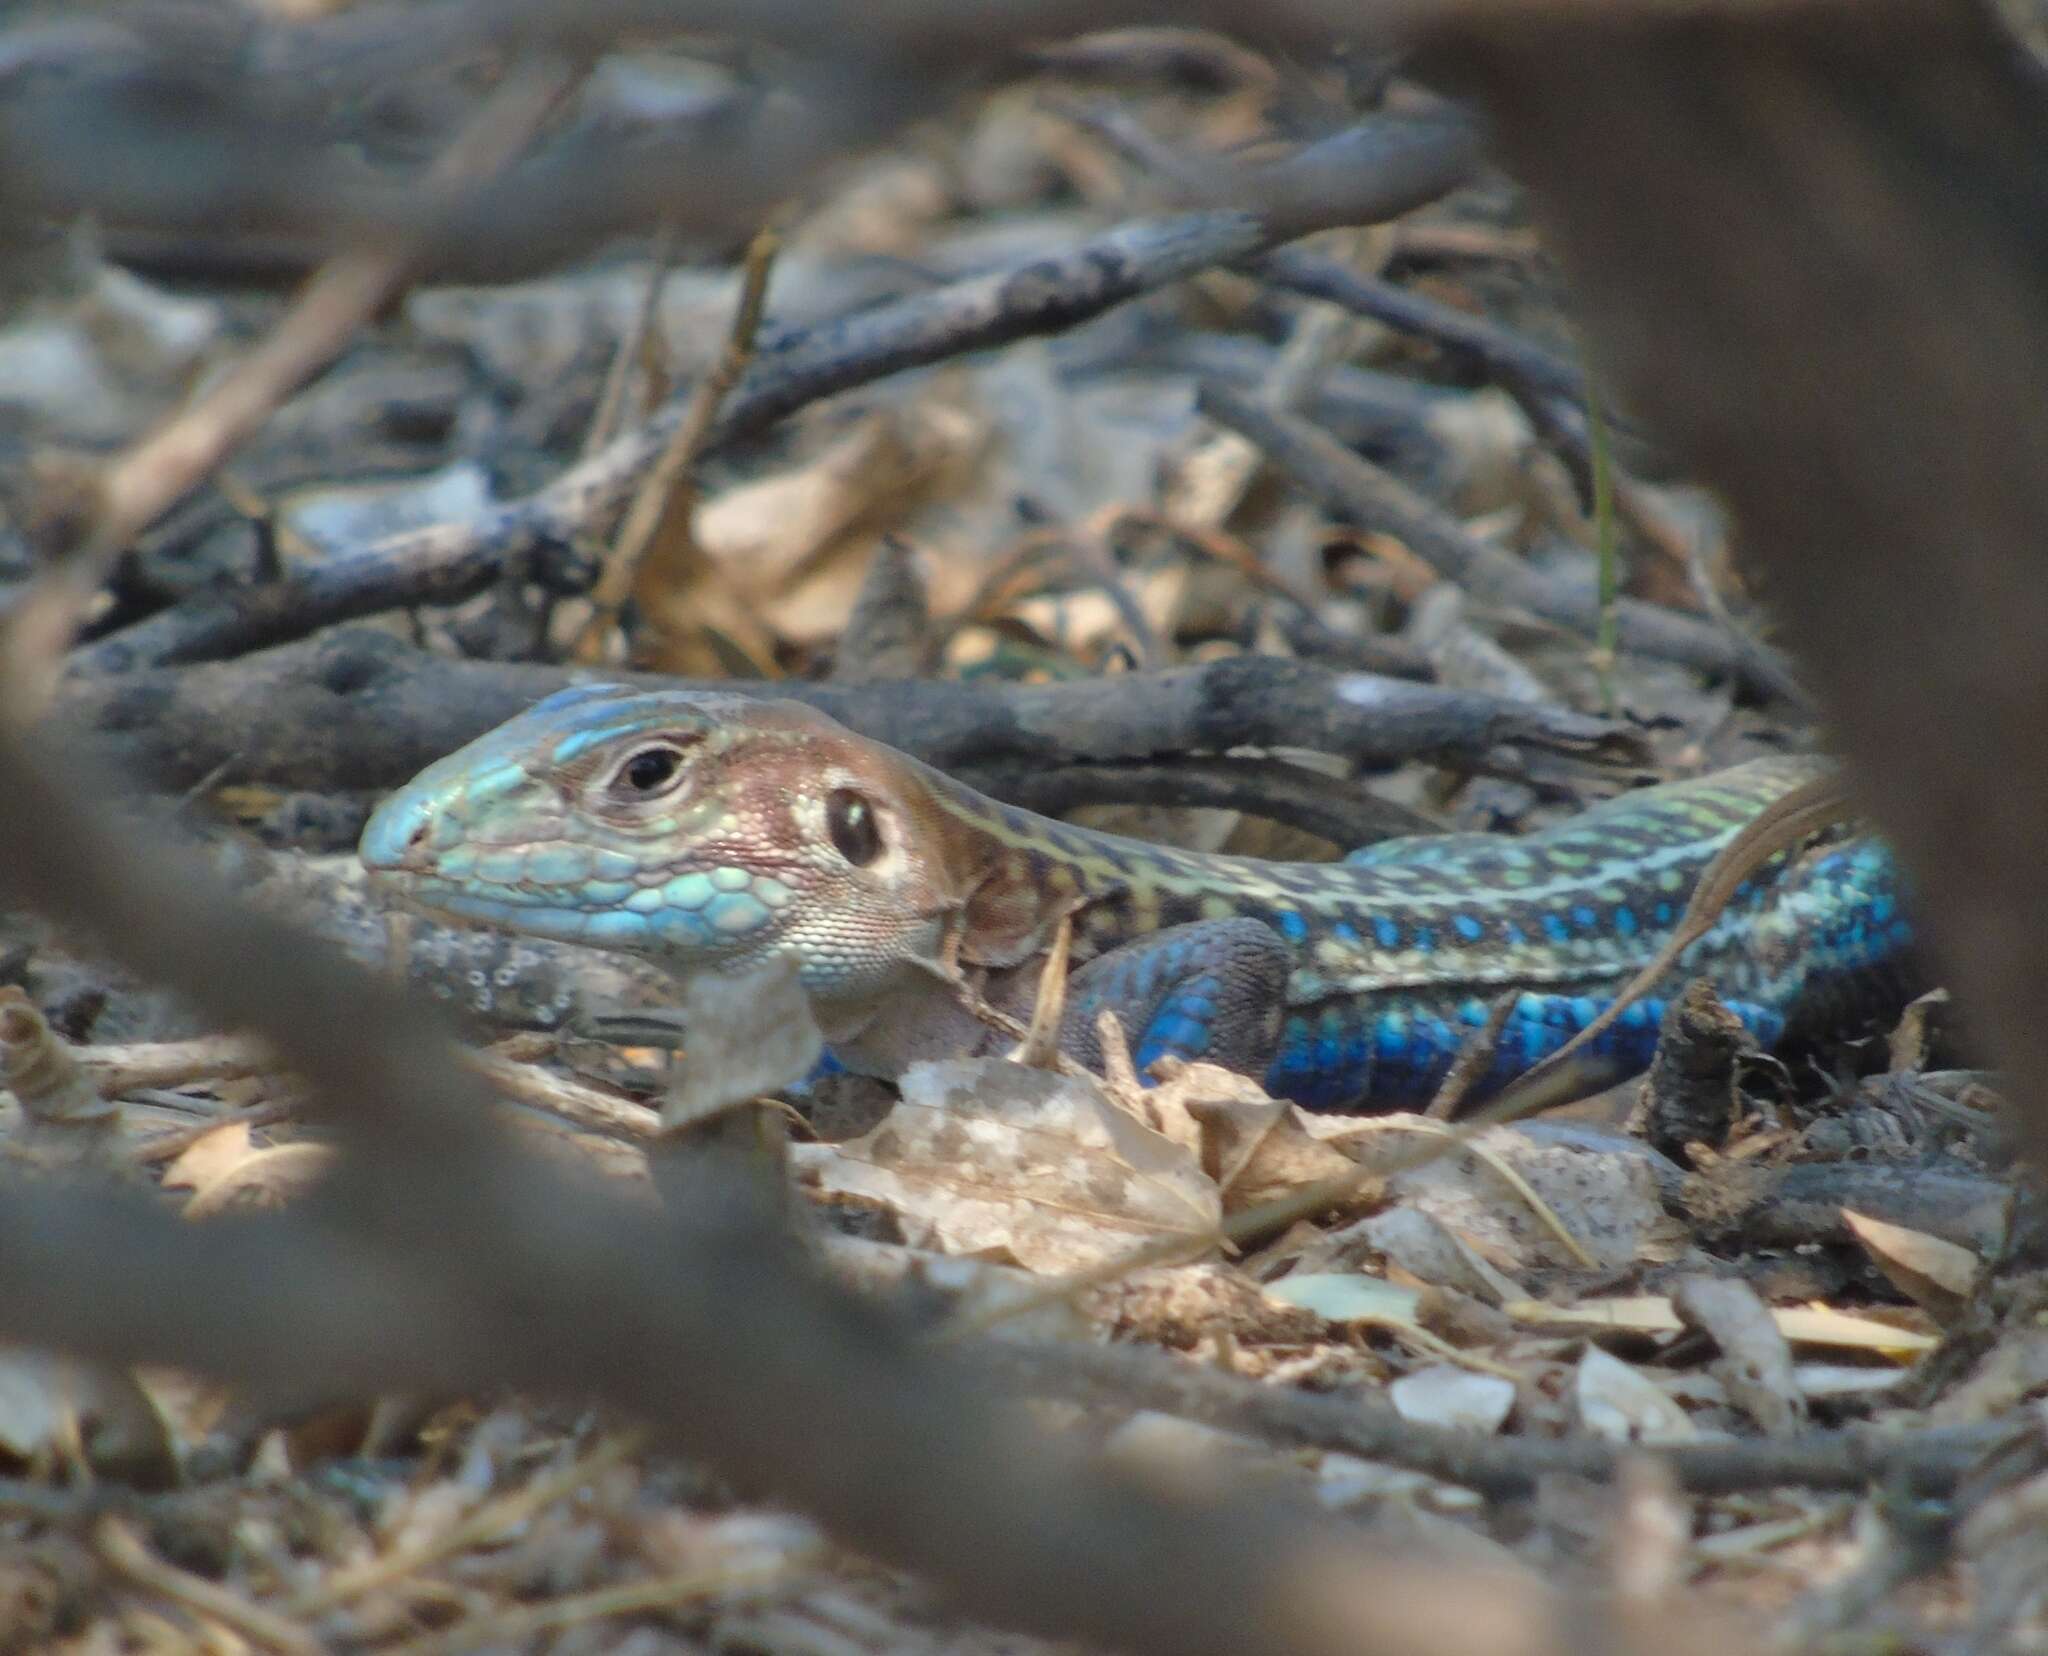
[(1212, 990)]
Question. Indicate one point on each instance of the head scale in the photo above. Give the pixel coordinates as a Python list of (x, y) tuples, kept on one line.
[(703, 829)]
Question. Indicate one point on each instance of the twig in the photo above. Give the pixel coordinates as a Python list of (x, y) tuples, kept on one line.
[(667, 497), (1124, 1379), (448, 562), (1349, 483), (161, 468), (636, 350), (363, 710)]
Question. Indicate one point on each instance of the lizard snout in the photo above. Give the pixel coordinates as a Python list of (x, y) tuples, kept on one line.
[(395, 838)]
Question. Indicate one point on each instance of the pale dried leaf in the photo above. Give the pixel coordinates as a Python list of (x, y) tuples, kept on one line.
[(968, 1290), (210, 1157), (760, 534), (1938, 1275), (1346, 1481), (1431, 1252), (1348, 1297), (1183, 1456), (266, 1179), (1652, 1314), (1820, 1382), (744, 1036), (1441, 1395), (1907, 1047), (1617, 1403), (1605, 1199), (983, 1156)]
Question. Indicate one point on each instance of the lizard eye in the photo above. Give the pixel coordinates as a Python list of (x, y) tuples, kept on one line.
[(850, 820), (649, 771)]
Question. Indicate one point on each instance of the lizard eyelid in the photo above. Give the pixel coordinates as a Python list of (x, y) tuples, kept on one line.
[(648, 771)]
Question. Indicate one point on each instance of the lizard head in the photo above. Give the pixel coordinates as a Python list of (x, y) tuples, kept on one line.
[(700, 829)]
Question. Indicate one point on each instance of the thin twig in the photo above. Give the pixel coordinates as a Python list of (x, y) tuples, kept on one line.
[(668, 494), (636, 348)]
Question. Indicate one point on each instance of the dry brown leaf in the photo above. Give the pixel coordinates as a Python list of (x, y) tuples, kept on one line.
[(1263, 1153), (1938, 1275), (210, 1157)]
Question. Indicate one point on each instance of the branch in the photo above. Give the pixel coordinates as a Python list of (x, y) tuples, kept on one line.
[(452, 561), (358, 709)]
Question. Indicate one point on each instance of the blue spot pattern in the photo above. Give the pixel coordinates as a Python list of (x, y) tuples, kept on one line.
[(1392, 1047)]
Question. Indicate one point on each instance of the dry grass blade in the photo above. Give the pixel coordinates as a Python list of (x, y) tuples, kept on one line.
[(124, 1552), (486, 1524), (1779, 827), (668, 1592)]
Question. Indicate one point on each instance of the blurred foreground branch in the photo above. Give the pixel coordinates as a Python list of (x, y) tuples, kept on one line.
[(439, 1256)]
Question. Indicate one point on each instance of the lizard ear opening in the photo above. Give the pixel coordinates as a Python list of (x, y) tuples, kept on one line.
[(1009, 916)]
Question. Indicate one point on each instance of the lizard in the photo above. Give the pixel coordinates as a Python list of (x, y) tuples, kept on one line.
[(710, 831)]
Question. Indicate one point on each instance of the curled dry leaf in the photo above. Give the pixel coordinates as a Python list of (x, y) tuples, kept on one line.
[(1257, 1148), (1755, 1364), (784, 555), (1937, 1275), (988, 1157)]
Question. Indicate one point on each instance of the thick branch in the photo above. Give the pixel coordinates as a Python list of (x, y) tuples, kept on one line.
[(357, 709)]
